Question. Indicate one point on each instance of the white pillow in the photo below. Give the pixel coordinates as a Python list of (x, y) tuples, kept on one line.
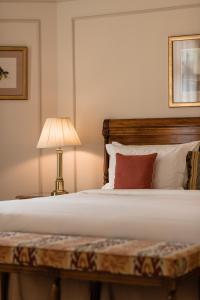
[(170, 164)]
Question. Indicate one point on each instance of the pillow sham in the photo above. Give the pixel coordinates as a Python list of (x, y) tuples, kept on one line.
[(170, 165), (134, 171), (193, 169)]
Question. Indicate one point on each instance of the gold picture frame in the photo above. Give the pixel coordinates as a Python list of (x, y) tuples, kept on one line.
[(13, 73), (184, 70)]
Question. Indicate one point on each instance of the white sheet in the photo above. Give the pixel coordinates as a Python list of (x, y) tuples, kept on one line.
[(140, 214), (148, 214)]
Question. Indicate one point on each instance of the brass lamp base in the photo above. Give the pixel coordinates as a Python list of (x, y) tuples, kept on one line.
[(59, 184), (56, 193)]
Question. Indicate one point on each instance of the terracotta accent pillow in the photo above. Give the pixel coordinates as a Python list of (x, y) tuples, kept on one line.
[(134, 171)]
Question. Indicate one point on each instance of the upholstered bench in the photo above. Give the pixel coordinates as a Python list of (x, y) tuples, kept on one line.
[(97, 260)]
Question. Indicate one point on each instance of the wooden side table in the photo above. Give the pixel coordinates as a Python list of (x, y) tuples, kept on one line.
[(30, 196)]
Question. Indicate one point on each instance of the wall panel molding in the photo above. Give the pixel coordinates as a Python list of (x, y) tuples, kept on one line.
[(37, 22), (76, 19), (138, 11)]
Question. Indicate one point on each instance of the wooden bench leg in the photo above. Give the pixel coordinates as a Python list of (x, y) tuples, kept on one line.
[(56, 290), (4, 285), (110, 292), (172, 290), (95, 290)]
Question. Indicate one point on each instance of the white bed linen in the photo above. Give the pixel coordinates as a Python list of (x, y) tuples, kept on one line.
[(170, 165), (140, 214)]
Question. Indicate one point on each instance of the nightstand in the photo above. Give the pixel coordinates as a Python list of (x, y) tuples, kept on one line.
[(29, 196)]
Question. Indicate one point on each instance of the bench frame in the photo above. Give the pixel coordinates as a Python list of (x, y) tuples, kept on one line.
[(95, 279)]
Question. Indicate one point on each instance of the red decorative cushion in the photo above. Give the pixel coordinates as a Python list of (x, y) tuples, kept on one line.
[(134, 171)]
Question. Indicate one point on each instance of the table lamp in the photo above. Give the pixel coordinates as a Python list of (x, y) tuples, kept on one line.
[(57, 133)]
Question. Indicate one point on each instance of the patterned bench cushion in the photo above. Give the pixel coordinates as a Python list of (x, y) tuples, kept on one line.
[(94, 254)]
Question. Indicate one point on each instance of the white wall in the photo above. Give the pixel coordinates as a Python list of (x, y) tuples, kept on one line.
[(22, 169), (112, 63), (90, 60)]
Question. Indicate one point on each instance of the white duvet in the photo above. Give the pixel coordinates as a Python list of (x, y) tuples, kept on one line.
[(172, 215)]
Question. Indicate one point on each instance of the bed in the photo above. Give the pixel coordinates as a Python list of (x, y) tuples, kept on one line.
[(88, 213)]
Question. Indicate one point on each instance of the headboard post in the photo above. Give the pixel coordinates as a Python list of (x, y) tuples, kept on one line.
[(106, 141), (160, 131)]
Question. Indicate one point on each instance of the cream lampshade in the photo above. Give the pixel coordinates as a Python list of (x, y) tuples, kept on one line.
[(57, 133)]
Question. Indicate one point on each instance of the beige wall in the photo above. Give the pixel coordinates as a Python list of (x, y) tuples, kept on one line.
[(113, 59), (22, 170), (89, 60)]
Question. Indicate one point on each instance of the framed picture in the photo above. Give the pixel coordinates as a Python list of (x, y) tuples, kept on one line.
[(13, 73), (184, 71)]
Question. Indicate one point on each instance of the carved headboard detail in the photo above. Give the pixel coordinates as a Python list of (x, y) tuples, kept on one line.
[(149, 132)]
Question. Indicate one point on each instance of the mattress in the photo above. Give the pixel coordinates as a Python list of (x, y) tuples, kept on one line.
[(169, 215)]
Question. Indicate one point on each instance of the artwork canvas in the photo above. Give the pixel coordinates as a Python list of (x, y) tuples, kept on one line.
[(190, 74), (184, 71), (13, 73)]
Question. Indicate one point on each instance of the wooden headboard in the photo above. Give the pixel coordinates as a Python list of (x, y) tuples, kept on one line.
[(149, 132)]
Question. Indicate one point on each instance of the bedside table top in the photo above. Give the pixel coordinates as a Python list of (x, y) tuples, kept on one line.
[(29, 196)]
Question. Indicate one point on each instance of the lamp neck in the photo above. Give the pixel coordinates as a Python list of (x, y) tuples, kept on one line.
[(59, 152), (59, 184)]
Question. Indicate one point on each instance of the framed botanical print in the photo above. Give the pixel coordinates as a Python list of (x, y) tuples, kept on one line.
[(184, 70), (13, 73)]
